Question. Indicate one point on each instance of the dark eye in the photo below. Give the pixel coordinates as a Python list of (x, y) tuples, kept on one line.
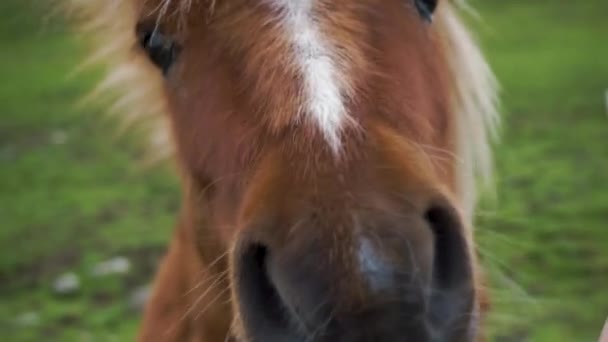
[(426, 8), (161, 49)]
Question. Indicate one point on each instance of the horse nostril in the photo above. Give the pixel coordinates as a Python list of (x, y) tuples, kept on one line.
[(451, 297), (259, 300), (263, 311), (451, 262)]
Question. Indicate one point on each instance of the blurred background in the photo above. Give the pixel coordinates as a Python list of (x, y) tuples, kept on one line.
[(82, 223)]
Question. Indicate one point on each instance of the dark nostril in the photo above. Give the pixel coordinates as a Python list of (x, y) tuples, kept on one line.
[(452, 279), (451, 262), (260, 305)]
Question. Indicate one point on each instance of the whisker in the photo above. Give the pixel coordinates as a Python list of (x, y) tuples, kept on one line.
[(220, 179), (230, 330), (213, 301), (451, 156), (191, 308), (204, 281), (207, 268), (211, 287), (323, 325)]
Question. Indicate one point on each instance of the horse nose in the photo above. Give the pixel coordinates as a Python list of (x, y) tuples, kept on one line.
[(400, 279)]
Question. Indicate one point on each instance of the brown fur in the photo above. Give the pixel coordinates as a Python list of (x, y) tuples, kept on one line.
[(235, 109)]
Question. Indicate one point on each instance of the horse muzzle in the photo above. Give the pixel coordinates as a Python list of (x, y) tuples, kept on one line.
[(357, 276)]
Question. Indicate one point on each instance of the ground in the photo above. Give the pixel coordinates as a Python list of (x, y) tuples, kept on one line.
[(72, 193)]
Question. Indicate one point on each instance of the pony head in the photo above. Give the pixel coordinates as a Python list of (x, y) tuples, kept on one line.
[(329, 151)]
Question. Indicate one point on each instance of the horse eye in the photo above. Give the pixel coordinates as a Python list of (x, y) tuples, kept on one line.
[(426, 8), (161, 49)]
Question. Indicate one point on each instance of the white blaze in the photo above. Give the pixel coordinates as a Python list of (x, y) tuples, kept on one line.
[(313, 56)]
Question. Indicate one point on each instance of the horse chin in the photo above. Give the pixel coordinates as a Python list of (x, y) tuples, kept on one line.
[(424, 334)]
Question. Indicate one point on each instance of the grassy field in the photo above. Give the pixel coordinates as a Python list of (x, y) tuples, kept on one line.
[(72, 193)]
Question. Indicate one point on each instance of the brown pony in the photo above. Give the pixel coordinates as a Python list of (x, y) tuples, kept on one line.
[(329, 151)]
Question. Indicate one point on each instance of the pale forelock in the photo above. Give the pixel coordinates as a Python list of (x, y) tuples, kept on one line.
[(140, 103)]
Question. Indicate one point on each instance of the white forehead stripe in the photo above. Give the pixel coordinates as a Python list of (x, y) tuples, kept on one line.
[(314, 58)]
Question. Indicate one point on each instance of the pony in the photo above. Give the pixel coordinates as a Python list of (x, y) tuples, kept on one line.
[(330, 154)]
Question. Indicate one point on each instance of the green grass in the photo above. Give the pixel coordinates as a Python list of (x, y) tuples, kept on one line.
[(548, 234), (67, 205)]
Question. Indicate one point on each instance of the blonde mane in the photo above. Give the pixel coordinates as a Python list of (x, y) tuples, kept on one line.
[(136, 89), (476, 105)]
